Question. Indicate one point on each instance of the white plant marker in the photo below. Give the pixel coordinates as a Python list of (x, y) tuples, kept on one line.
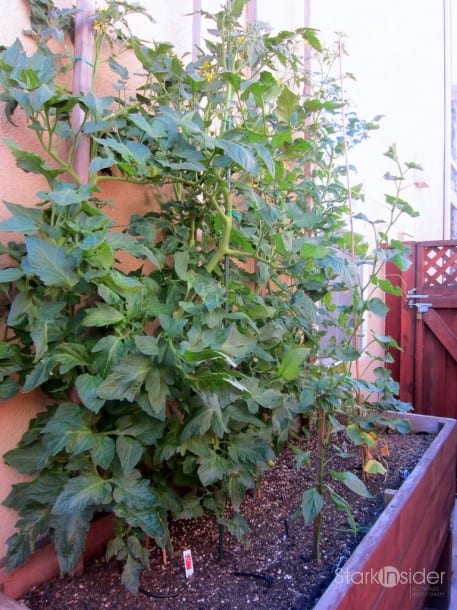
[(188, 563)]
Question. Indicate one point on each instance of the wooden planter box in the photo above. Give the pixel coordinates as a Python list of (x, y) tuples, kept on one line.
[(43, 565), (391, 568), (399, 559)]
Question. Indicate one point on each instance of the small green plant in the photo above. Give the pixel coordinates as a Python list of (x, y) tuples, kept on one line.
[(339, 398), (173, 385)]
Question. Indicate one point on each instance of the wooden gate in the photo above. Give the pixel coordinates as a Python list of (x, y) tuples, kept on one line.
[(424, 323)]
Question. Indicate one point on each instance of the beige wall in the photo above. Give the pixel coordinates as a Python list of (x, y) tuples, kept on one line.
[(395, 51)]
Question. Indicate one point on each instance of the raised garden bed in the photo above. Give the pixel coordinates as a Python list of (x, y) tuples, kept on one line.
[(276, 569), (404, 546)]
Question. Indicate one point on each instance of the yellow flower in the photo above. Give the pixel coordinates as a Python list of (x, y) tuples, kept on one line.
[(207, 71), (99, 27)]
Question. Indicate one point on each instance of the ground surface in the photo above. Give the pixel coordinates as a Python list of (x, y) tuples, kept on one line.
[(274, 571)]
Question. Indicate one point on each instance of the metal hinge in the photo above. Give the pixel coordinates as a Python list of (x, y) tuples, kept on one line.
[(411, 297)]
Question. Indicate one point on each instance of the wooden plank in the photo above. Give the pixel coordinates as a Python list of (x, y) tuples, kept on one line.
[(6, 603), (408, 334), (43, 566), (393, 318), (409, 535), (419, 403), (453, 591), (442, 332), (443, 301)]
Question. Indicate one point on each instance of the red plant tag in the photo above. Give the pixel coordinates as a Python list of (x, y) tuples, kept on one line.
[(188, 563)]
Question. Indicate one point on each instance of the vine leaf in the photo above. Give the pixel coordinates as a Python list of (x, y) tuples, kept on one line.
[(312, 504), (82, 492), (52, 264)]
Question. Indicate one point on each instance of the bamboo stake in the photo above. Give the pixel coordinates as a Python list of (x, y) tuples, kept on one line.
[(82, 81)]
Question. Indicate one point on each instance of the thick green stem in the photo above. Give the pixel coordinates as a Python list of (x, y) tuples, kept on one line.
[(224, 245)]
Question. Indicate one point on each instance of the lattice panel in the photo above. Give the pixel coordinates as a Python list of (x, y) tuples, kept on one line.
[(440, 266)]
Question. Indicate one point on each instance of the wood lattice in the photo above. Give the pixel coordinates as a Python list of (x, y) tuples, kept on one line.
[(440, 266)]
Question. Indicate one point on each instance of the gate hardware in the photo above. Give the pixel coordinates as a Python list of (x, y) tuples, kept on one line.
[(421, 307)]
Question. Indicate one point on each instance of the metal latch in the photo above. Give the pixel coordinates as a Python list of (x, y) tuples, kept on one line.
[(411, 297)]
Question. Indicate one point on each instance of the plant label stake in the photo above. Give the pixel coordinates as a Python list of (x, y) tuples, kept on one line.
[(188, 563)]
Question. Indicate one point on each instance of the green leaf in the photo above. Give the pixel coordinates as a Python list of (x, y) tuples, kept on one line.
[(10, 275), (84, 491), (87, 386), (341, 504), (211, 469), (378, 307), (352, 482), (291, 366), (24, 220), (157, 391), (24, 226), (206, 355), (19, 549), (198, 424), (358, 436), (99, 163), (287, 106), (150, 521), (98, 106), (374, 467), (310, 35), (386, 341), (181, 262), (53, 265), (139, 425), (236, 7), (66, 194), (387, 286), (302, 458), (236, 525), (69, 537), (134, 492), (8, 388), (131, 572), (238, 345), (126, 379), (312, 504), (44, 490), (233, 79), (240, 155), (313, 250), (25, 460), (102, 315), (265, 155), (71, 355), (129, 451), (102, 450), (31, 162), (40, 373), (147, 345)]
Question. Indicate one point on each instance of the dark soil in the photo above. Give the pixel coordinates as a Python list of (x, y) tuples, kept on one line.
[(275, 570)]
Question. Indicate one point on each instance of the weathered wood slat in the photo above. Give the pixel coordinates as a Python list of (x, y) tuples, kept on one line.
[(408, 537), (6, 603), (443, 333)]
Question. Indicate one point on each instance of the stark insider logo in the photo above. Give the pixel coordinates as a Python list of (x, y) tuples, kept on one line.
[(389, 577)]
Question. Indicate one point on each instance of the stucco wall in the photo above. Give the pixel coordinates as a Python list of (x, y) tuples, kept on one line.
[(395, 50)]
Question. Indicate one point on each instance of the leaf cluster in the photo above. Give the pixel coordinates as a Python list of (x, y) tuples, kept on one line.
[(172, 386)]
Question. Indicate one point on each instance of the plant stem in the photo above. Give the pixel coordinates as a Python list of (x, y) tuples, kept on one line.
[(226, 217), (322, 441)]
